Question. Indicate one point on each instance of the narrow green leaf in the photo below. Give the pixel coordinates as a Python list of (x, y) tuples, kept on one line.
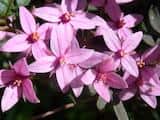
[(120, 111), (23, 2), (148, 39), (101, 103)]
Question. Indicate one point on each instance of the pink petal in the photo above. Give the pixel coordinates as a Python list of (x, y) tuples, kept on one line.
[(6, 76), (106, 65), (130, 65), (123, 1), (16, 44), (132, 42), (21, 67), (98, 3), (152, 54), (95, 59), (69, 5), (43, 65), (78, 55), (77, 86), (59, 43), (113, 10), (132, 20), (63, 78), (102, 90), (48, 13), (28, 91), (88, 77), (39, 50), (124, 33), (83, 21), (150, 100), (27, 20), (5, 35), (114, 80), (111, 40), (127, 94), (44, 31), (10, 98)]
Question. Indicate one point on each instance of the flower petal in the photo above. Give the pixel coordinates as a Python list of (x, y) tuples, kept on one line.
[(78, 55), (150, 100), (102, 90), (127, 94), (88, 77), (48, 13), (83, 21), (39, 50), (43, 65), (132, 20), (28, 91), (10, 98), (27, 20), (59, 43), (114, 80), (132, 42), (129, 64), (69, 5), (18, 43), (21, 67), (113, 10)]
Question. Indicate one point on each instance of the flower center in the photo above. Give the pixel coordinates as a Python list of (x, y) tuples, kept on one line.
[(62, 61), (121, 53), (139, 82), (66, 17), (102, 77), (34, 37), (17, 82), (120, 23), (141, 63)]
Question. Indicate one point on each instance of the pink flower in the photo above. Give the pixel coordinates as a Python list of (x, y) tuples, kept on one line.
[(123, 49), (30, 38), (120, 23), (65, 14), (147, 84), (18, 84), (64, 60), (103, 77)]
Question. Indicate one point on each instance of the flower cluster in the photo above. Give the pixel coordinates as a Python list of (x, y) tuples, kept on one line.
[(56, 49)]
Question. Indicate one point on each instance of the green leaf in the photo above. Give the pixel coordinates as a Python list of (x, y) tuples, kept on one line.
[(148, 39), (101, 103), (120, 111), (23, 2), (154, 18), (3, 8)]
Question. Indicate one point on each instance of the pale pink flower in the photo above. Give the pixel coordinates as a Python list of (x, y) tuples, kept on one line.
[(30, 38), (67, 14), (121, 23), (123, 50), (18, 84), (64, 60), (147, 84), (103, 77)]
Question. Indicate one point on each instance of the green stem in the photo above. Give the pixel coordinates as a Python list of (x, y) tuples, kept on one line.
[(120, 111)]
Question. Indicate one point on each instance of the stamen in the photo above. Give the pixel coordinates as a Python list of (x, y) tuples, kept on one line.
[(141, 63), (17, 83)]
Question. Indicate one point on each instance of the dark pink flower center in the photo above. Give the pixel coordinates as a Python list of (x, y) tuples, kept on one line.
[(121, 53), (66, 17), (102, 77), (120, 23), (62, 61), (17, 82), (141, 63), (33, 37), (139, 82)]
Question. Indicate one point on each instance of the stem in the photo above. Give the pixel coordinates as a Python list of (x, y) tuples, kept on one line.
[(120, 111)]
